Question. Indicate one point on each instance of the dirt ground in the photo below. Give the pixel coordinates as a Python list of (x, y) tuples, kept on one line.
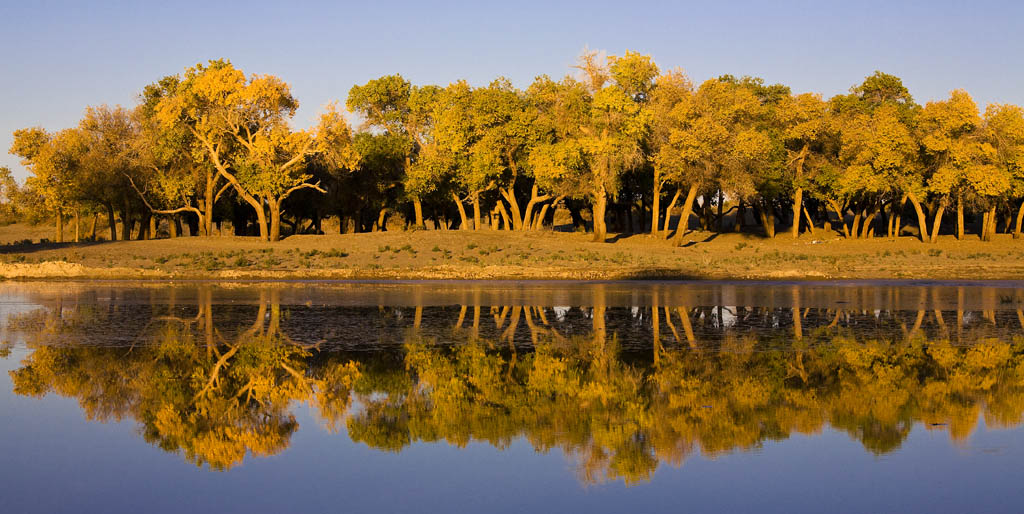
[(510, 255)]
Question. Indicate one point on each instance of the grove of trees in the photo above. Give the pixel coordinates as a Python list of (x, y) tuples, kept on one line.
[(622, 146)]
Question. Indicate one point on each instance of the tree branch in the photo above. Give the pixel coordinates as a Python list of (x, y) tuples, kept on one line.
[(151, 208)]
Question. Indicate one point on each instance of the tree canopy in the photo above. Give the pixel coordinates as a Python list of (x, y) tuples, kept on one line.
[(609, 144)]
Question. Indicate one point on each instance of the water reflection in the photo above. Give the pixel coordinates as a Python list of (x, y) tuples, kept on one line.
[(621, 380)]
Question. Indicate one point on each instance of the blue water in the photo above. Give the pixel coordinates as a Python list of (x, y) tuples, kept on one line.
[(55, 460)]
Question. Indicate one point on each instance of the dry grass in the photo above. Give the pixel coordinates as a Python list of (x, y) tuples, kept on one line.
[(500, 255)]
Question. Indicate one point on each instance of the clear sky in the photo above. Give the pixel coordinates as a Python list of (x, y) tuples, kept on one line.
[(58, 57)]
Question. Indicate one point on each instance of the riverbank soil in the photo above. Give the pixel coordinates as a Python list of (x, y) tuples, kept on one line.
[(491, 254)]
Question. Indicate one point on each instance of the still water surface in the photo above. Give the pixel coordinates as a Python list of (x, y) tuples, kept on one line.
[(510, 397)]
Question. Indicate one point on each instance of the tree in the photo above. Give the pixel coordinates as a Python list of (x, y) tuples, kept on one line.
[(593, 155), (507, 129), (243, 126), (879, 163), (10, 196), (960, 160), (760, 168), (373, 189), (1004, 131), (392, 104), (670, 90), (446, 155), (177, 176), (803, 119), (55, 162), (110, 166), (715, 137), (878, 152)]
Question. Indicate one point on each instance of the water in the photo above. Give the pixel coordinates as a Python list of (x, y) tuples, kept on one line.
[(506, 397)]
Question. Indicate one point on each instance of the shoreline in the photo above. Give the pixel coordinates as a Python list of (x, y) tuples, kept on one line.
[(58, 271), (827, 282), (521, 256)]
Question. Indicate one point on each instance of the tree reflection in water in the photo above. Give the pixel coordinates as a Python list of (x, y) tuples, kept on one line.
[(617, 389)]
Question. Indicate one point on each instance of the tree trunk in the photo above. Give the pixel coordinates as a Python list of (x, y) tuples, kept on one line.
[(78, 226), (1020, 219), (538, 222), (60, 226), (668, 213), (705, 213), (516, 215), (922, 221), (495, 219), (855, 225), (600, 205), (112, 222), (937, 222), (476, 210), (275, 220), (127, 230), (810, 222), (656, 207), (534, 200), (741, 213), (126, 220), (95, 219), (206, 223), (144, 224), (261, 221), (721, 201), (417, 209), (767, 219), (842, 218), (172, 226), (989, 227), (193, 226), (798, 197), (463, 219), (152, 227), (684, 217), (798, 194), (867, 230), (504, 215)]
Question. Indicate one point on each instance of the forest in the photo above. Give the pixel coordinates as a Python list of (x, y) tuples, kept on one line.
[(620, 144)]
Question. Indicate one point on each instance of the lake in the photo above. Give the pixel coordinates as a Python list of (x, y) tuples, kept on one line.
[(512, 397)]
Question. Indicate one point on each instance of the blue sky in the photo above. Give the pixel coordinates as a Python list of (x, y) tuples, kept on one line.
[(59, 57)]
